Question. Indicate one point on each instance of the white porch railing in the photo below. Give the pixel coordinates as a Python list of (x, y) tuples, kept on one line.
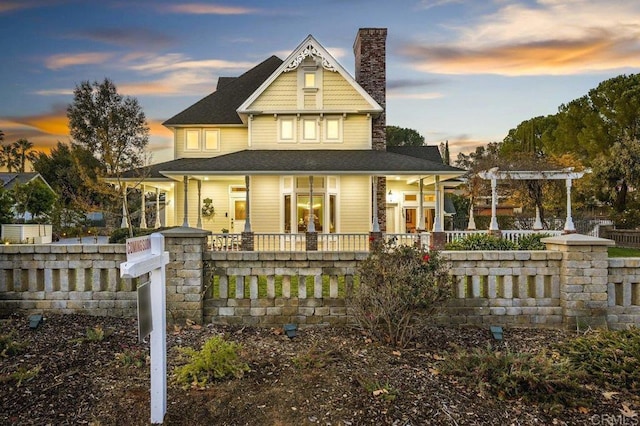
[(345, 242), (514, 235)]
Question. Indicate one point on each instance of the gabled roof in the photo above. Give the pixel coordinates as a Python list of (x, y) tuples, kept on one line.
[(303, 162), (309, 48), (220, 106), (10, 180)]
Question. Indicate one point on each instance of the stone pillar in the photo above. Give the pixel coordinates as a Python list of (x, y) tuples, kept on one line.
[(583, 279), (311, 239), (185, 273), (247, 241)]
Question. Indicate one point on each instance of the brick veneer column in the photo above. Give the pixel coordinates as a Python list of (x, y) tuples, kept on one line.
[(185, 273), (583, 278)]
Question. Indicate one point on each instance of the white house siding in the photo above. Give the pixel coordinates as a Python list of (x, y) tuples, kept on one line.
[(218, 191), (338, 94), (355, 134), (355, 204), (265, 203), (280, 95), (231, 139)]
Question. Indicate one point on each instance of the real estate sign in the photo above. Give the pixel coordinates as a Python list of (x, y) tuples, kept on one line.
[(146, 255)]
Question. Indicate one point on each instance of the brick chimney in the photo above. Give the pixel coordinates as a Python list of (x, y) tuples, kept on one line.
[(369, 49)]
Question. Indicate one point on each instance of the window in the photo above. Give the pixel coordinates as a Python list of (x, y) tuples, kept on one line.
[(333, 130), (286, 130), (310, 130), (309, 80), (192, 140), (211, 139)]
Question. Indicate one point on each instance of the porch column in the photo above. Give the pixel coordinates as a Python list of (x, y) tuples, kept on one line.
[(157, 224), (311, 223), (472, 222), (568, 225), (247, 222), (125, 219), (311, 236), (421, 225), (185, 182), (375, 225), (247, 235), (437, 220), (199, 224), (143, 211), (537, 224), (494, 202)]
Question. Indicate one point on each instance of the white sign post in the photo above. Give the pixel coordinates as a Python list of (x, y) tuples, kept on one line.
[(147, 255)]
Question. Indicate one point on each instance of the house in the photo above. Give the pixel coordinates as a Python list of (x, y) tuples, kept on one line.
[(298, 146)]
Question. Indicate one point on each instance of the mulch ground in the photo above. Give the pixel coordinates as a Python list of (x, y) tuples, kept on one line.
[(323, 376)]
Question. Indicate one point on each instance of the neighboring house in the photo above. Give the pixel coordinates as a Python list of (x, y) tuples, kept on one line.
[(9, 181), (296, 145)]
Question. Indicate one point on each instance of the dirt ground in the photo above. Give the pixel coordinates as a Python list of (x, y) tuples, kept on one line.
[(323, 376)]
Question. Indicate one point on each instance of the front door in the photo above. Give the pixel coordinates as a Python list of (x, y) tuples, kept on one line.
[(238, 215)]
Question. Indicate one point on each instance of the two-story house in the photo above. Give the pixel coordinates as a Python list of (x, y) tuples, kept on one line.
[(299, 145)]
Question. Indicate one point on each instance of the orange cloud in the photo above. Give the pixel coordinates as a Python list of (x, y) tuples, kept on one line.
[(553, 57), (60, 61), (209, 9)]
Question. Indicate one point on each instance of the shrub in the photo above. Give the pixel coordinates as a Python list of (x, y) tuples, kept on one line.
[(216, 360), (481, 242), (610, 357), (532, 242), (9, 346), (543, 377), (400, 287)]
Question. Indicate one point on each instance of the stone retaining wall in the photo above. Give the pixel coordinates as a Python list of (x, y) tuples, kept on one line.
[(570, 284)]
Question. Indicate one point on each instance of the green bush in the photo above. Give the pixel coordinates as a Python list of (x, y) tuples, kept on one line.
[(9, 346), (400, 287), (481, 242), (216, 360), (532, 242), (544, 377), (611, 358)]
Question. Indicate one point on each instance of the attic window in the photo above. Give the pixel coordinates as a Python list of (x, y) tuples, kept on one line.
[(309, 80), (192, 140)]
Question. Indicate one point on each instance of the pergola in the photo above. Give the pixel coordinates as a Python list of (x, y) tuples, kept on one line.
[(494, 174)]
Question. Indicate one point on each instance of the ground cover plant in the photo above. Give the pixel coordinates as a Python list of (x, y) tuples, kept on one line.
[(337, 376)]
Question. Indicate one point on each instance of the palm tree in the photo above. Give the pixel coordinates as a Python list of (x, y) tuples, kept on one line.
[(23, 152), (8, 157)]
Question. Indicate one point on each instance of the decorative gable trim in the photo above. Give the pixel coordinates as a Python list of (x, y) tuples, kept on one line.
[(308, 48), (310, 51)]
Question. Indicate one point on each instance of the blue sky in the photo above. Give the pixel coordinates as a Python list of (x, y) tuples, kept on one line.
[(465, 71)]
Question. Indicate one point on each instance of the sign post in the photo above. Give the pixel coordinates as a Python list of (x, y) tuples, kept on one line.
[(147, 255)]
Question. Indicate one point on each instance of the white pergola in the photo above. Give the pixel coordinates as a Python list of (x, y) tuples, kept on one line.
[(494, 175)]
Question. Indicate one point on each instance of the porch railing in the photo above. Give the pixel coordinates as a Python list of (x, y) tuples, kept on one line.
[(344, 242)]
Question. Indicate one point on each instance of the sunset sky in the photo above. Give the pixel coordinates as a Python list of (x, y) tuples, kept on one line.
[(465, 71)]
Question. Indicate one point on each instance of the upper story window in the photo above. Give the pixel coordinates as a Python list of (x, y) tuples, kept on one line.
[(310, 130), (212, 140), (333, 129), (286, 129), (192, 140)]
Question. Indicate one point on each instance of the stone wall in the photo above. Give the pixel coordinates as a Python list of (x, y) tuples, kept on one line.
[(571, 284), (66, 278)]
